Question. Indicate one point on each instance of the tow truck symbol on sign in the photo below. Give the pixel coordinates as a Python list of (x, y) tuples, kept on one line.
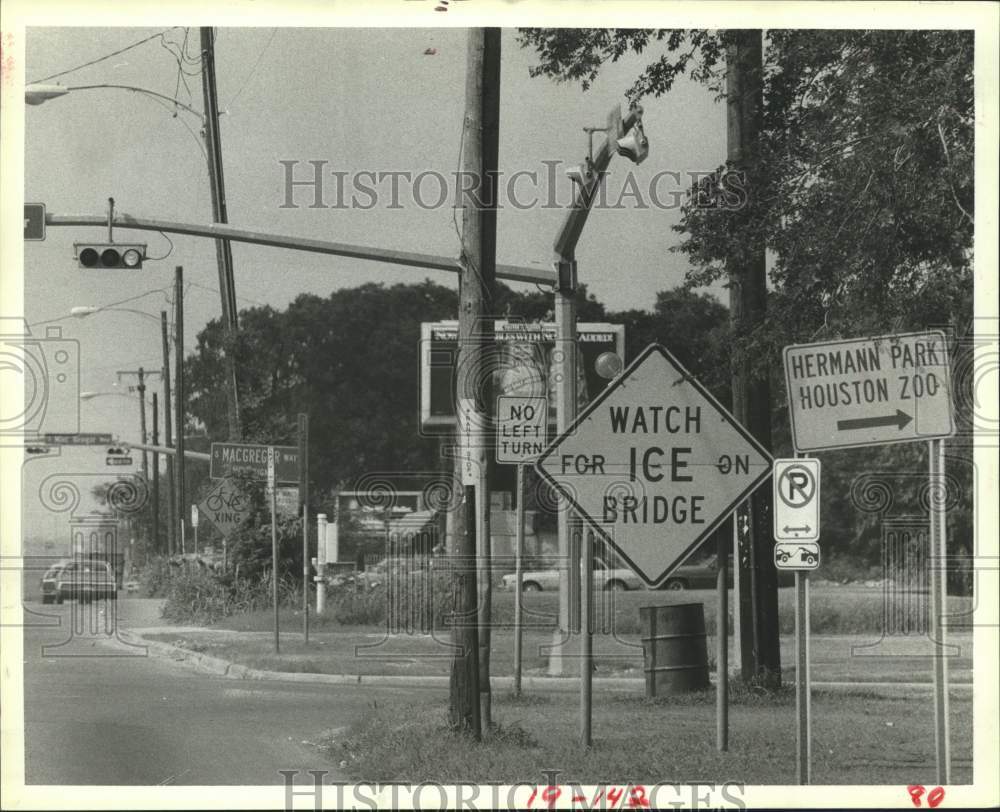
[(792, 555)]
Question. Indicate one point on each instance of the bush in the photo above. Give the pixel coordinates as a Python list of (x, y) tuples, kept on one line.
[(155, 578), (202, 596)]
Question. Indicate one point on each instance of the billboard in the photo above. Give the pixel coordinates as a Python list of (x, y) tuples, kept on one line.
[(521, 365)]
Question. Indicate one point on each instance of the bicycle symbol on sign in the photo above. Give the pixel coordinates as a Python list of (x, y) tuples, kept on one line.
[(228, 499)]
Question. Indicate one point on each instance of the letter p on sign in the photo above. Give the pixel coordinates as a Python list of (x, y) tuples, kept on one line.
[(796, 499)]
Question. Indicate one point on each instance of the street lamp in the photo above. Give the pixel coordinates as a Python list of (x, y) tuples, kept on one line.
[(39, 94)]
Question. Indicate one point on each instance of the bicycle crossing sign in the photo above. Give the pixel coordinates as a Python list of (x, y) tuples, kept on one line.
[(226, 506)]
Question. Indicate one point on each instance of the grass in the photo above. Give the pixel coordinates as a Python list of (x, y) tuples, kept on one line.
[(833, 610), (856, 740)]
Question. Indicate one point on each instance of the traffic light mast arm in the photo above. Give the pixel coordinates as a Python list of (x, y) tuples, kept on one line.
[(543, 276), (162, 449), (576, 217)]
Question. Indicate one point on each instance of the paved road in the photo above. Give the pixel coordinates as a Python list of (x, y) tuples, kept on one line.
[(103, 713)]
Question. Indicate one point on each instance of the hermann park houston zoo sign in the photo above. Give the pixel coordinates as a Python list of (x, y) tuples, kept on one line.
[(869, 391), (655, 464)]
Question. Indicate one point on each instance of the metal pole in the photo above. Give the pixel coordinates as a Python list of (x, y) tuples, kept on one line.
[(803, 733), (168, 437), (518, 570), (156, 476), (564, 362), (722, 644), (179, 409), (939, 600), (587, 638), (320, 561), (271, 482), (304, 495)]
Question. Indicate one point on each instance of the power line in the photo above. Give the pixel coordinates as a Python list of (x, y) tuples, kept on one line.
[(103, 58), (253, 70)]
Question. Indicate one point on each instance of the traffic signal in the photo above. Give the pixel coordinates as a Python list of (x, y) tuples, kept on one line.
[(110, 255), (37, 449), (118, 452)]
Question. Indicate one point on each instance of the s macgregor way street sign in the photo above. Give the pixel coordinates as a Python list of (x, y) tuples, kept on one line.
[(869, 391), (242, 460), (654, 464)]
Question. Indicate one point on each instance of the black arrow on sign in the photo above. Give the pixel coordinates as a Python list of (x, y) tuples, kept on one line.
[(899, 420), (805, 529)]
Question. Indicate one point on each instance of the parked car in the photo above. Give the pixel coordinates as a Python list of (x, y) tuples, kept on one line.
[(86, 579), (605, 577), (697, 575), (48, 584)]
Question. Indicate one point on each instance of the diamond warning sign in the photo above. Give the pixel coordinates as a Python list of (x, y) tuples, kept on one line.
[(655, 464)]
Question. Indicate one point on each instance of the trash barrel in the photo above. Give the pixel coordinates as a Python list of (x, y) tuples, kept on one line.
[(675, 652)]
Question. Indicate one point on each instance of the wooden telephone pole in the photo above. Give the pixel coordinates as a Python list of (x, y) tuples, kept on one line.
[(470, 700), (223, 250), (759, 649)]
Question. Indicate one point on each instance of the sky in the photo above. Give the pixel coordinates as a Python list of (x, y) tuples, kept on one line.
[(358, 99)]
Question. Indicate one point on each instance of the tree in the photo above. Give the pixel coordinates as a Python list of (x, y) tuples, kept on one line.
[(865, 169)]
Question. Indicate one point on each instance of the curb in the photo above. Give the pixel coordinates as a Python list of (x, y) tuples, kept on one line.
[(231, 670)]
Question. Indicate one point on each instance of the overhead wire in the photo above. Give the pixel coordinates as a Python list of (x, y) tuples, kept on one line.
[(102, 58), (253, 70)]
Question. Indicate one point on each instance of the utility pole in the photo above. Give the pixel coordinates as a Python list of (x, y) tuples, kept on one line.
[(474, 390), (168, 437), (156, 476), (758, 579), (180, 508), (140, 374), (223, 249)]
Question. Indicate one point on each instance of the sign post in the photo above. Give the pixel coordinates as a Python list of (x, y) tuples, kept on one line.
[(194, 524), (272, 484), (521, 425), (722, 643), (796, 533), (654, 464), (304, 495), (803, 690), (939, 598)]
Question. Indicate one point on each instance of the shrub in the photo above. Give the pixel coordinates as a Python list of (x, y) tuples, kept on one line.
[(155, 577)]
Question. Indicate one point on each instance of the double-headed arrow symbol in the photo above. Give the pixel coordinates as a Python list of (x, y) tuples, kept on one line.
[(899, 420), (805, 529)]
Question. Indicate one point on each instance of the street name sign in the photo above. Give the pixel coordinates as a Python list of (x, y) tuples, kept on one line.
[(796, 499), (225, 506), (34, 221), (117, 460), (78, 439), (654, 464), (240, 459), (796, 555), (521, 424), (869, 391)]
